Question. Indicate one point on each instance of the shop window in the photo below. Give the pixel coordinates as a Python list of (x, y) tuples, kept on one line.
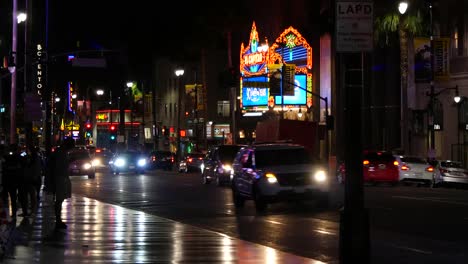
[(223, 108)]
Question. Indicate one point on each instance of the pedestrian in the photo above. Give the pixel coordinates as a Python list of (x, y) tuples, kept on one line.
[(11, 177), (32, 177), (60, 180)]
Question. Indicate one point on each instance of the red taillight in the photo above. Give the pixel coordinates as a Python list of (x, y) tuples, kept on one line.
[(404, 167), (430, 169), (396, 163)]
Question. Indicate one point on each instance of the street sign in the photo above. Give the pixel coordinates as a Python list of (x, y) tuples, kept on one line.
[(354, 26)]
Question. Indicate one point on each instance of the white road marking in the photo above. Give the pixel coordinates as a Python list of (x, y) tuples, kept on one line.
[(430, 199), (414, 250), (274, 222)]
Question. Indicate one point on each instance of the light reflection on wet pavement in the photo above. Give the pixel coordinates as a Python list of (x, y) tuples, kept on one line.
[(105, 233)]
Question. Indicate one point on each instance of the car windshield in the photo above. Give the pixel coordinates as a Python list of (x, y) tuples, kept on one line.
[(379, 157), (278, 157), (78, 155), (414, 160), (451, 164), (228, 153)]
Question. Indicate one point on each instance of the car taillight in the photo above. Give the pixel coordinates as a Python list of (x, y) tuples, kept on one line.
[(404, 167), (396, 163), (430, 169)]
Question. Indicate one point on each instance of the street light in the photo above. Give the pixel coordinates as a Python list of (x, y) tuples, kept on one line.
[(402, 7), (179, 73)]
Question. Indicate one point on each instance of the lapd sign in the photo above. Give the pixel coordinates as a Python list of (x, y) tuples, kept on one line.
[(354, 26)]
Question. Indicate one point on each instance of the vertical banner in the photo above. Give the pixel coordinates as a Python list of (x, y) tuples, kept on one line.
[(441, 59), (422, 60)]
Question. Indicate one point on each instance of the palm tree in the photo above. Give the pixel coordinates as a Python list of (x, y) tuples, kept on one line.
[(406, 25)]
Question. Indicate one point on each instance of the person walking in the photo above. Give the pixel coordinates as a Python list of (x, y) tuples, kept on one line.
[(60, 179), (32, 177), (12, 177)]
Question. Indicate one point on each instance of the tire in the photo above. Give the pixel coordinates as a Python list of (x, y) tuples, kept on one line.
[(205, 180), (260, 203), (238, 200), (323, 201)]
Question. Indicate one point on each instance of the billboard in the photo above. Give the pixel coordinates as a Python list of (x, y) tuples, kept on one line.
[(300, 95), (255, 96)]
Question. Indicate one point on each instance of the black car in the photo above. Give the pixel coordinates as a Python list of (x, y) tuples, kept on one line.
[(160, 159), (128, 161), (217, 164)]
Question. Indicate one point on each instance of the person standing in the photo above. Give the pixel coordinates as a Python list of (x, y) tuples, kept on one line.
[(60, 179)]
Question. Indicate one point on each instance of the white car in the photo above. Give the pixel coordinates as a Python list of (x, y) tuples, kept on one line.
[(279, 172), (415, 169), (450, 172)]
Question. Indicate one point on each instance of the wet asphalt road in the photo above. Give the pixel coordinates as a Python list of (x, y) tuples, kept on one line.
[(419, 224)]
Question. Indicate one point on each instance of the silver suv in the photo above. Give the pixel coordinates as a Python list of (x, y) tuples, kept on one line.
[(269, 173)]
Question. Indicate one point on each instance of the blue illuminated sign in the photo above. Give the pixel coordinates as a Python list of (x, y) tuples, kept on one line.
[(300, 95), (254, 96)]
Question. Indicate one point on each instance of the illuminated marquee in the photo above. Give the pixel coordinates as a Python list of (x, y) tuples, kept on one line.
[(39, 70), (253, 58), (258, 61), (70, 97)]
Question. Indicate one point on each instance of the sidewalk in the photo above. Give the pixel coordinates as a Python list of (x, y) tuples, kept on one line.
[(105, 233)]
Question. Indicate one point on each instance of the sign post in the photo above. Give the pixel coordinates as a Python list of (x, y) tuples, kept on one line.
[(354, 37)]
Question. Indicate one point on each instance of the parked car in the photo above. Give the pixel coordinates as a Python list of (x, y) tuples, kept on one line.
[(449, 172), (378, 167), (191, 162), (128, 161), (415, 169), (217, 164), (81, 163), (160, 159), (269, 173)]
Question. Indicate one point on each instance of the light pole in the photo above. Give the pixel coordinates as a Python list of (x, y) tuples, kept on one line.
[(12, 69), (402, 7), (179, 73), (432, 97)]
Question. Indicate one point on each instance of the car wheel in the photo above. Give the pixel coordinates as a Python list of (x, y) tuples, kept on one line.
[(205, 180), (238, 200), (260, 203), (323, 201)]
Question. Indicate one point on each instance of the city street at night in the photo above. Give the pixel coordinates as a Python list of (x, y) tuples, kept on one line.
[(418, 224)]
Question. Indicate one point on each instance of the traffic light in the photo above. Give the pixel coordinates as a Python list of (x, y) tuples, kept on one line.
[(89, 130), (113, 133)]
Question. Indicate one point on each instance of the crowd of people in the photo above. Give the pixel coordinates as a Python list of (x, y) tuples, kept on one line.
[(26, 174)]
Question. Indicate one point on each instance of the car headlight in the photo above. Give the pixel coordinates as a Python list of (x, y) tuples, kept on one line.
[(320, 176), (96, 162), (87, 166), (119, 162), (227, 167), (141, 162), (271, 178)]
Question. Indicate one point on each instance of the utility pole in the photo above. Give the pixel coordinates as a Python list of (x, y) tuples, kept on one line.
[(13, 74)]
